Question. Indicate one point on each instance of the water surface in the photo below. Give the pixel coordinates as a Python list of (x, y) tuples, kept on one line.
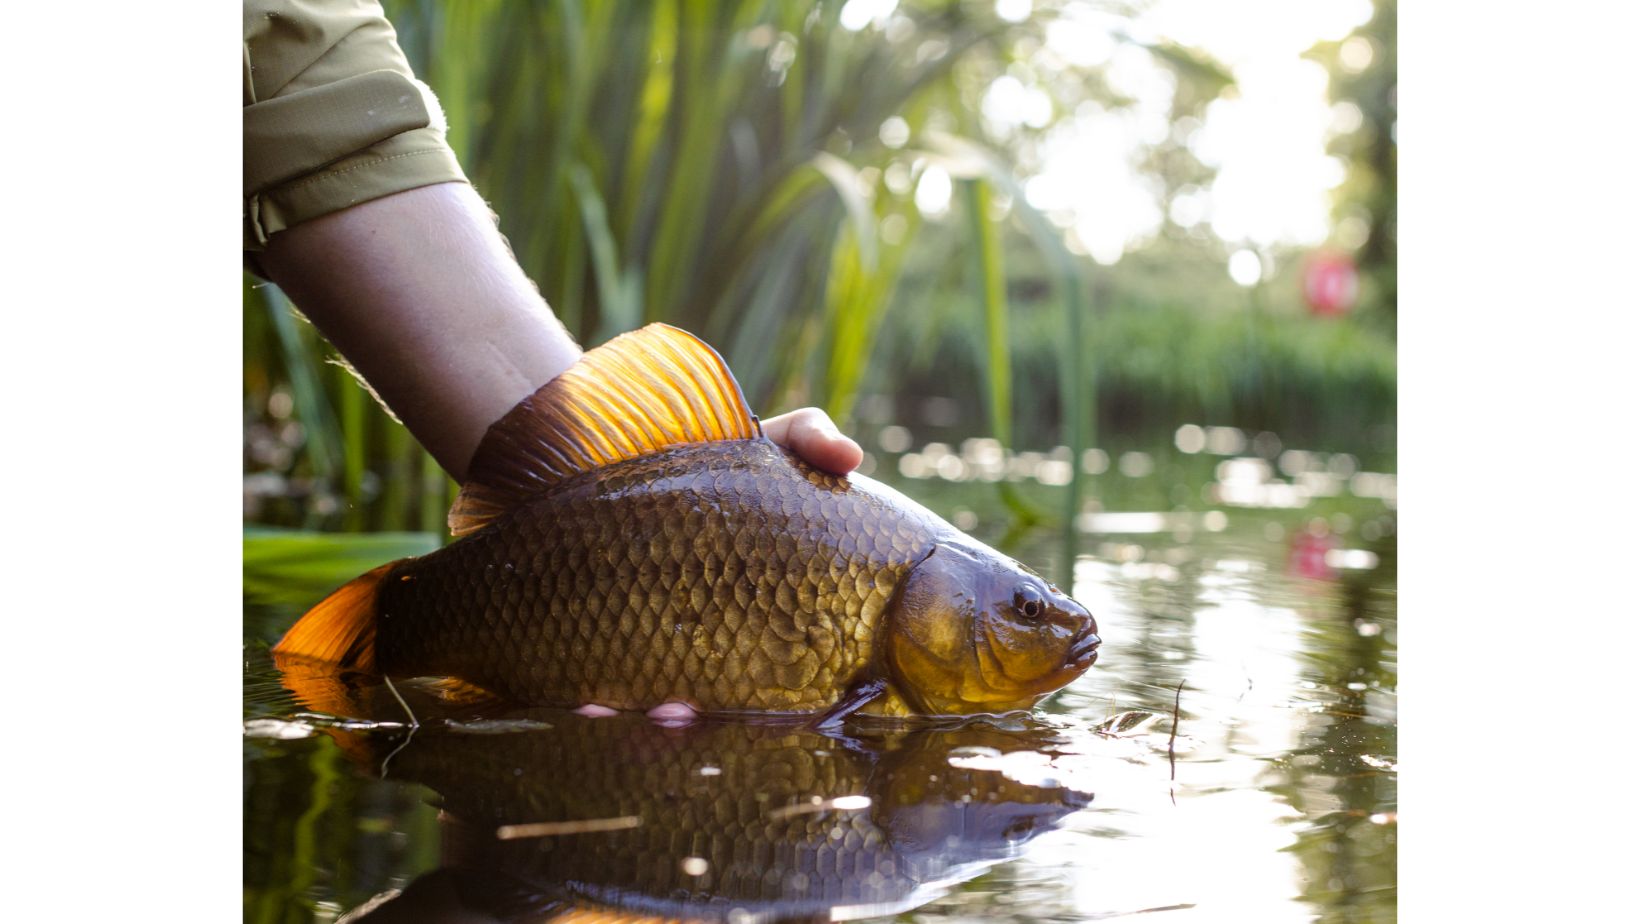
[(1272, 799)]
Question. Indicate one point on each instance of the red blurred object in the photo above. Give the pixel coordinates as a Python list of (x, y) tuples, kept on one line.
[(1308, 557), (1331, 283)]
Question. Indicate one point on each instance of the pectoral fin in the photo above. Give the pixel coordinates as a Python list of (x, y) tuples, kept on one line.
[(855, 699)]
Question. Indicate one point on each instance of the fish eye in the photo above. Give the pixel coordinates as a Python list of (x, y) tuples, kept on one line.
[(1028, 602)]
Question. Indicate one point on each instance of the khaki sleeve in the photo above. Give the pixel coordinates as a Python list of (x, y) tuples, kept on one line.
[(333, 115)]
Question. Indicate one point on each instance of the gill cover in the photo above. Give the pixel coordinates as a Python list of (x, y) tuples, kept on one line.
[(974, 632)]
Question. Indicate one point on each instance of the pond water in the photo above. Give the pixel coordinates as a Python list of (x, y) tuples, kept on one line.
[(1268, 631)]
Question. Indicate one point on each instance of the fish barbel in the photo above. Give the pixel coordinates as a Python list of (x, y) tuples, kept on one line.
[(632, 539)]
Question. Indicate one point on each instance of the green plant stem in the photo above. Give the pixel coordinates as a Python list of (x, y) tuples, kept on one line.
[(434, 502), (396, 490), (990, 284), (1078, 423), (309, 396), (353, 403)]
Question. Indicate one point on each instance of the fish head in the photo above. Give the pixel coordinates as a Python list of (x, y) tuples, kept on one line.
[(974, 631)]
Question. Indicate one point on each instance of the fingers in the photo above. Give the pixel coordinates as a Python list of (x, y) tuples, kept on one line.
[(672, 715), (812, 435)]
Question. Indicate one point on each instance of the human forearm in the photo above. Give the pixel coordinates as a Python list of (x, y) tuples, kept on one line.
[(420, 294)]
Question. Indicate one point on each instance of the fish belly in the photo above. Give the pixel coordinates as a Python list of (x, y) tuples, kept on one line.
[(731, 576)]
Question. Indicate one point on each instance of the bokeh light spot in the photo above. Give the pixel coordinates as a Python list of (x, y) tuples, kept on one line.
[(1014, 10), (1190, 439), (894, 132), (934, 191), (1356, 54), (1245, 267)]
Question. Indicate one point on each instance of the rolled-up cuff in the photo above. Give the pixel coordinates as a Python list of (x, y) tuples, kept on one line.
[(298, 133), (405, 161)]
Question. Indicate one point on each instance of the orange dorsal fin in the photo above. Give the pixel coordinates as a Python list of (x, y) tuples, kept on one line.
[(638, 393), (341, 630)]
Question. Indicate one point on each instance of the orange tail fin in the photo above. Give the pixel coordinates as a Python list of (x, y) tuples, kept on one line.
[(341, 630)]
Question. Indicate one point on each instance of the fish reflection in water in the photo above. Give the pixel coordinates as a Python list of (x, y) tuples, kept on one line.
[(711, 822)]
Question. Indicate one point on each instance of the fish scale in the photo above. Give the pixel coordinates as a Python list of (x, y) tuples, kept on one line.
[(717, 574)]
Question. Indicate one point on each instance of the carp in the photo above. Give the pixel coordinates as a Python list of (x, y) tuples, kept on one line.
[(631, 539)]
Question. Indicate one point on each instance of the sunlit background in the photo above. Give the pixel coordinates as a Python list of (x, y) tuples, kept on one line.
[(1110, 286), (1266, 142), (1053, 224)]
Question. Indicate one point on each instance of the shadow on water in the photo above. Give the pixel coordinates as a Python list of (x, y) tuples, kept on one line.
[(1278, 803)]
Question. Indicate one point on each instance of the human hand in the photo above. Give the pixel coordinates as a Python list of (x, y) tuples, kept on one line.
[(810, 433)]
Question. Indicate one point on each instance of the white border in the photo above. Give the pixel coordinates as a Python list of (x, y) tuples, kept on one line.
[(120, 375), (1517, 243)]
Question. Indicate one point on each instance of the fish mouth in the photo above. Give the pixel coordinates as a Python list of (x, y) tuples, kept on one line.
[(1085, 650)]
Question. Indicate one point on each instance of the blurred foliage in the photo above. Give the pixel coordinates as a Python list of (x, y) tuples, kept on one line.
[(723, 166), (319, 452), (749, 171), (288, 566), (1168, 336), (720, 166), (1367, 194), (1265, 372)]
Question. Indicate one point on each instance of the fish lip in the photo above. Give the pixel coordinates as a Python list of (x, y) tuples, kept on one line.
[(1085, 648)]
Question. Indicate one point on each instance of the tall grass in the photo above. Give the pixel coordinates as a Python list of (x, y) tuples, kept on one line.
[(693, 162), (719, 165), (326, 455), (714, 164), (1150, 367)]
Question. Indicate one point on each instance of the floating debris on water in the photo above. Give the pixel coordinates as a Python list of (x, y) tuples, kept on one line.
[(551, 828), (1127, 723), (498, 726), (278, 729)]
